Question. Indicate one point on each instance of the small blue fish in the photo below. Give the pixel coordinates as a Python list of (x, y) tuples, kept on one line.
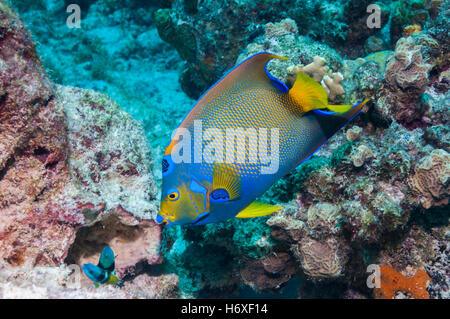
[(104, 272)]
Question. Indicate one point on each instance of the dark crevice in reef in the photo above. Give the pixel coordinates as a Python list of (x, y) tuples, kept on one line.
[(10, 162), (48, 101), (51, 165)]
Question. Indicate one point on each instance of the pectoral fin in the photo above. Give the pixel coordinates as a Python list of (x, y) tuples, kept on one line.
[(257, 209)]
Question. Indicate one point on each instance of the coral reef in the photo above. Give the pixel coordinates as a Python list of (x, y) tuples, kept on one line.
[(438, 269), (411, 12), (306, 55), (319, 259), (211, 259), (209, 44), (318, 71), (373, 184), (407, 76), (117, 51)]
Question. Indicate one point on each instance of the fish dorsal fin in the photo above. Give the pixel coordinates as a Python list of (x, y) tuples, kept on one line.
[(249, 73), (106, 260), (257, 209), (226, 177)]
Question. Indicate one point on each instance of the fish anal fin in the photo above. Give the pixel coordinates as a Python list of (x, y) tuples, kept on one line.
[(257, 209)]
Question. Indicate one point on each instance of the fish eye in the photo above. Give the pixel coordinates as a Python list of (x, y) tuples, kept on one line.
[(173, 194)]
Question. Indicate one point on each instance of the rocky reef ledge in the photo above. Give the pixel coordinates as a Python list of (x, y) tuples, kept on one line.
[(74, 177)]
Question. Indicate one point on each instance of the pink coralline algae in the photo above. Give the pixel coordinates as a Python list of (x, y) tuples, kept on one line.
[(33, 155)]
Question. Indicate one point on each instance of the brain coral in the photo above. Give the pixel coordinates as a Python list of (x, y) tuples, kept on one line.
[(430, 180)]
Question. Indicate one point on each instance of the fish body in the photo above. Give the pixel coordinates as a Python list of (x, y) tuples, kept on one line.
[(237, 124)]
